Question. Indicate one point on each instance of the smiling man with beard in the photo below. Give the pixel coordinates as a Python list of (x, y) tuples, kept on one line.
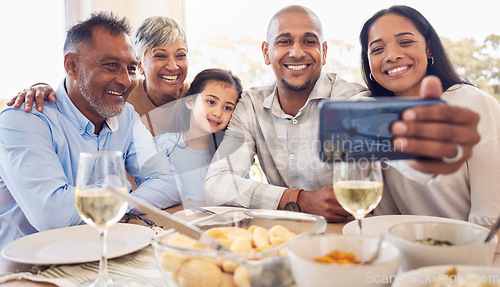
[(39, 152)]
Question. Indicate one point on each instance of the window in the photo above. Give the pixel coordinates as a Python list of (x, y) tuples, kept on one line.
[(221, 33), (32, 44)]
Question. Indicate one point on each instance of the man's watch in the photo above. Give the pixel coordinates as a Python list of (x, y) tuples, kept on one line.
[(292, 204)]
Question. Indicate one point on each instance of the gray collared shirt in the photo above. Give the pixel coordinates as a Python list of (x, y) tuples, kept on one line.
[(287, 146)]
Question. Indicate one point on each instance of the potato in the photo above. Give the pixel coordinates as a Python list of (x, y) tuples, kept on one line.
[(184, 242), (279, 234), (172, 261), (236, 232), (197, 272), (229, 266), (241, 278), (227, 280), (252, 228), (219, 235), (242, 245), (261, 238)]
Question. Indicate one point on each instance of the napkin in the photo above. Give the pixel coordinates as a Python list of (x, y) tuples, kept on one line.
[(139, 268)]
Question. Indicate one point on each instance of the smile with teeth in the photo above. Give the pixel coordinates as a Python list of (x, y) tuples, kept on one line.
[(398, 69), (114, 93), (296, 67), (169, 78)]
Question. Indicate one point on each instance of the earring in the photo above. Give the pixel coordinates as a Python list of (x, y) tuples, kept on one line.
[(371, 77), (431, 61)]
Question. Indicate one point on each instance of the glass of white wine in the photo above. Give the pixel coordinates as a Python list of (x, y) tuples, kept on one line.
[(97, 206), (358, 187)]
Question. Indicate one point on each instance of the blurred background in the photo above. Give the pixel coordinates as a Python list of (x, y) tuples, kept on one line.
[(228, 34)]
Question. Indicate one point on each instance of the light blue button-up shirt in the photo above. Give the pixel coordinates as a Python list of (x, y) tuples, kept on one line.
[(39, 155)]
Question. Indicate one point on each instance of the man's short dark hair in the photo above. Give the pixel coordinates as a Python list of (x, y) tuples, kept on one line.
[(82, 31)]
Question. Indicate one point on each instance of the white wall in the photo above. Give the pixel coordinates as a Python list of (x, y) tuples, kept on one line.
[(135, 10), (33, 31)]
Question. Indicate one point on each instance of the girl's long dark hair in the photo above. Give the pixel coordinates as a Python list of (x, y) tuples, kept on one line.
[(182, 114), (442, 67)]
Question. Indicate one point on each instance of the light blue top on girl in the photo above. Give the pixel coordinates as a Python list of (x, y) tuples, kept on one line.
[(191, 165)]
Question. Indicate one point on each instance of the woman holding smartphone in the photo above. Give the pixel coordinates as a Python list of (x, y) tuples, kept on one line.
[(400, 48)]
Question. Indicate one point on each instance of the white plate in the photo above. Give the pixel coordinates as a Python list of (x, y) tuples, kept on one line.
[(423, 277), (375, 225), (190, 215), (77, 244)]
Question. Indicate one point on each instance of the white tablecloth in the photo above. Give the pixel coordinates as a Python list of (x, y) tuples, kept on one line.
[(139, 268)]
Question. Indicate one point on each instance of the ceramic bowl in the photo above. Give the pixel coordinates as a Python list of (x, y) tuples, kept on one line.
[(308, 273), (467, 239)]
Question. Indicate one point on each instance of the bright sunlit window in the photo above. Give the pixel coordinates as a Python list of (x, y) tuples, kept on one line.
[(229, 33), (32, 39)]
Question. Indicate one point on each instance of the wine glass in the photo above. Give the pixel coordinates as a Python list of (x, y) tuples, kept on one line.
[(97, 173), (358, 187)]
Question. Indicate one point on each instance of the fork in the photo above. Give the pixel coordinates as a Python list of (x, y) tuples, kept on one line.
[(128, 216)]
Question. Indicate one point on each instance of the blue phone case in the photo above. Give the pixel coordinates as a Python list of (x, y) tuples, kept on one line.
[(361, 130)]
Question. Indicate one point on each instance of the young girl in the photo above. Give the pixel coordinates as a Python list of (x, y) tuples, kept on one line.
[(200, 116)]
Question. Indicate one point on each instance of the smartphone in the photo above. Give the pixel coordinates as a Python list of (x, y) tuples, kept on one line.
[(362, 129)]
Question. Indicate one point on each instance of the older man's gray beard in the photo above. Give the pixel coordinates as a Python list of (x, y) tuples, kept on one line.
[(96, 102)]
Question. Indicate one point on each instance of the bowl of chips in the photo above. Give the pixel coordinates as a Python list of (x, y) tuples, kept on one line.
[(259, 238), (325, 260)]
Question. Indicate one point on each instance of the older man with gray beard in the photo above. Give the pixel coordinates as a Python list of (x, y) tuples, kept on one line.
[(39, 151)]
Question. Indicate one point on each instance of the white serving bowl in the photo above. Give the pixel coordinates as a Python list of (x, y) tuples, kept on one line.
[(467, 239), (307, 272)]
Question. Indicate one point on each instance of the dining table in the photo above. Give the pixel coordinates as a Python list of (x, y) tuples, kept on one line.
[(11, 268)]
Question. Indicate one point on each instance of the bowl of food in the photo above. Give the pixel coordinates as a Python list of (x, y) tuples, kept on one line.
[(337, 260), (437, 243), (258, 239)]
